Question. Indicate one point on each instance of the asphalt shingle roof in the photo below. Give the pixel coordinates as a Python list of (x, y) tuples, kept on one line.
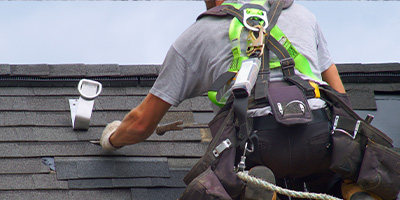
[(42, 157)]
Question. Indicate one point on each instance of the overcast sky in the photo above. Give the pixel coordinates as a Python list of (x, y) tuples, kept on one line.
[(140, 32)]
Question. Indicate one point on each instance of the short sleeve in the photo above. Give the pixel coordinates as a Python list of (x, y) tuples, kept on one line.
[(324, 57)]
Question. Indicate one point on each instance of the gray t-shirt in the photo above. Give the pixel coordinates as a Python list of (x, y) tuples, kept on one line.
[(203, 52)]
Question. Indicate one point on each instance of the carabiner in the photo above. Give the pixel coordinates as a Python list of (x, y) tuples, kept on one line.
[(255, 47)]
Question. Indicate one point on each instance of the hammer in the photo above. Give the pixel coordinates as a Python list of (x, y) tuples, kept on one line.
[(174, 126)]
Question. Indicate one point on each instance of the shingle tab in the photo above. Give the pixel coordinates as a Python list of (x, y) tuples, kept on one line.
[(22, 166), (30, 182), (153, 149), (5, 69), (110, 167), (67, 70), (33, 104), (176, 179), (102, 70), (135, 70), (156, 193), (41, 70), (48, 181), (362, 99), (90, 183), (103, 194), (67, 134)]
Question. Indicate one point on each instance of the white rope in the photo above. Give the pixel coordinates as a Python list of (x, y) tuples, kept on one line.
[(277, 189)]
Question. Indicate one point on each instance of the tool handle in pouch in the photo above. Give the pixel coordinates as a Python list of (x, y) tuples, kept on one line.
[(246, 77)]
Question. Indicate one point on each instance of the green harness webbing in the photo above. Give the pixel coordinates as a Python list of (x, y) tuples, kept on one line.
[(235, 31)]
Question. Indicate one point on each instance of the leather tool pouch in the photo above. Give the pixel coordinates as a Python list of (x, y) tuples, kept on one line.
[(289, 105), (380, 171), (348, 148), (363, 154), (206, 186), (217, 163)]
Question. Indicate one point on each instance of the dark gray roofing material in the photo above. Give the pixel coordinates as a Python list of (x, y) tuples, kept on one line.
[(35, 128)]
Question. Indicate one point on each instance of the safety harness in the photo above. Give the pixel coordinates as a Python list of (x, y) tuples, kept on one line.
[(213, 174), (259, 46), (264, 36)]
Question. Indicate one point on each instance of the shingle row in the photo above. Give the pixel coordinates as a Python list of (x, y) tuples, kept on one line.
[(152, 149), (78, 70), (67, 134)]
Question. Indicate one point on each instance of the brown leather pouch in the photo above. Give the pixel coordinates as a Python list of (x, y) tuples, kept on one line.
[(380, 171), (289, 105)]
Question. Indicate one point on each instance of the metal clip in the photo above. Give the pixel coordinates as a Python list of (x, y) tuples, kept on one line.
[(221, 147), (242, 164), (335, 123), (263, 17), (81, 109), (356, 128), (280, 108), (255, 45)]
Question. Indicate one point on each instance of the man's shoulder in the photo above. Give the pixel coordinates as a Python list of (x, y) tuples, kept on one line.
[(301, 10)]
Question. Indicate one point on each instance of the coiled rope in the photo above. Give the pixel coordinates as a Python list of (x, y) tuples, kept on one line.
[(305, 195)]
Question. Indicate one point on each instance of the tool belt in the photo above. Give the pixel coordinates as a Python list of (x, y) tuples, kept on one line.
[(361, 152), (214, 176)]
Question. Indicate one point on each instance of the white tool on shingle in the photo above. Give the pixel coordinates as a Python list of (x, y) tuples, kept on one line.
[(81, 109)]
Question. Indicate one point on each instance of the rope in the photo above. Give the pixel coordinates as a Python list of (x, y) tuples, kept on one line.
[(277, 189)]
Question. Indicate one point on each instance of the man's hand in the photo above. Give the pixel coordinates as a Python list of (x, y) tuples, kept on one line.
[(107, 132)]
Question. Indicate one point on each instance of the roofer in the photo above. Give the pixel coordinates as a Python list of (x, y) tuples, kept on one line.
[(298, 155)]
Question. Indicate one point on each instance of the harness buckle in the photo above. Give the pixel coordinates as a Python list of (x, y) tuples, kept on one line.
[(247, 16)]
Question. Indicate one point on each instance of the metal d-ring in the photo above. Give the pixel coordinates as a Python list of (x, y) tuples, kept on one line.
[(261, 17)]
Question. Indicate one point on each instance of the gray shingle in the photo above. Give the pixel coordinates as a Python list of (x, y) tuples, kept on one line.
[(33, 104), (362, 99), (33, 194), (182, 163), (102, 70), (142, 167), (71, 92), (58, 134), (41, 70), (16, 182), (22, 166), (5, 69), (176, 179), (368, 68), (125, 103), (30, 181), (48, 149), (65, 169), (132, 182), (156, 193), (103, 194), (90, 183), (12, 91), (67, 70), (110, 167), (48, 181), (135, 70)]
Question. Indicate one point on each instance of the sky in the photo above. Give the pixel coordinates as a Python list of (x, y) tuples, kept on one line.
[(141, 32)]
